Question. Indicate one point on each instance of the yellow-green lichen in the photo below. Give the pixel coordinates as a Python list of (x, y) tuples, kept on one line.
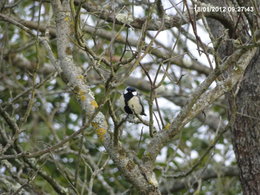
[(67, 18), (94, 103), (82, 95), (80, 76), (167, 126), (101, 133)]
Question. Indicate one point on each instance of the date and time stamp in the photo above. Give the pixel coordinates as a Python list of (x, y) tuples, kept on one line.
[(222, 9)]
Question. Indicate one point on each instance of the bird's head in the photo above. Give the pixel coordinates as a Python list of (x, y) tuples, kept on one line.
[(130, 90)]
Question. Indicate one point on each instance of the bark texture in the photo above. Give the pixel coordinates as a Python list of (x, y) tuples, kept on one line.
[(246, 129), (245, 101)]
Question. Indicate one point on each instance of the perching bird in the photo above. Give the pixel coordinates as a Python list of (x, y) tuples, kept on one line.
[(131, 102)]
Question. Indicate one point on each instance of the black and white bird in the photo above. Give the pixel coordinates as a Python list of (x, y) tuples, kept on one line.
[(131, 103)]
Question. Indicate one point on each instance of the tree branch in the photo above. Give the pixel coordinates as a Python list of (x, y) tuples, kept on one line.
[(171, 187), (201, 100), (74, 78), (163, 54)]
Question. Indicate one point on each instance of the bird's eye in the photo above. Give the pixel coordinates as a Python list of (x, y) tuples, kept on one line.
[(134, 93)]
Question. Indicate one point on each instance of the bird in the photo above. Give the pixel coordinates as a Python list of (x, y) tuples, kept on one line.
[(131, 103)]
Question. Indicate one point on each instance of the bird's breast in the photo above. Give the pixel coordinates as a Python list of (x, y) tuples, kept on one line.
[(134, 104)]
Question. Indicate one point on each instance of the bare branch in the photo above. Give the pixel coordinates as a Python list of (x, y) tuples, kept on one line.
[(200, 100)]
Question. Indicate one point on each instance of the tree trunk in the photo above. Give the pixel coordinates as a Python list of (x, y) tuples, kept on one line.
[(246, 129), (246, 103)]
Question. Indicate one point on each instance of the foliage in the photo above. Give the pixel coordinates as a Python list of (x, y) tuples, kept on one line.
[(46, 108)]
